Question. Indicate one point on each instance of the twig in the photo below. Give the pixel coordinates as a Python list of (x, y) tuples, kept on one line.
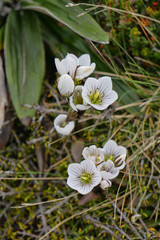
[(50, 201), (33, 178), (127, 221), (44, 222), (100, 225), (149, 181), (156, 210), (54, 95), (120, 230), (141, 221), (43, 109)]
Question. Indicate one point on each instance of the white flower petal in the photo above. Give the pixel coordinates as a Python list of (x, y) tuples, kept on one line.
[(85, 71), (73, 100), (119, 152), (108, 170), (109, 164), (60, 67), (103, 87), (105, 84), (73, 106), (109, 147), (82, 107), (90, 85), (74, 169), (73, 183), (89, 151), (82, 70), (96, 178), (104, 184), (84, 60), (93, 153), (58, 123), (71, 65), (122, 165), (65, 85), (99, 106), (74, 58), (108, 175), (85, 189), (110, 98), (89, 166)]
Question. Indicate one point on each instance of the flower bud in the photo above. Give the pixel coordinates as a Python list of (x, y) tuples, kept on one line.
[(65, 85)]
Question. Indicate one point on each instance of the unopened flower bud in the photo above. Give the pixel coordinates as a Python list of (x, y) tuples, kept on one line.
[(65, 85)]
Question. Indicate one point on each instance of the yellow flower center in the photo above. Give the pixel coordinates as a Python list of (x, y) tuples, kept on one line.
[(86, 178), (96, 97), (97, 158), (111, 157)]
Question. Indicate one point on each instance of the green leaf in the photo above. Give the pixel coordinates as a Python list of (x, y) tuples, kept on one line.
[(83, 25), (24, 60)]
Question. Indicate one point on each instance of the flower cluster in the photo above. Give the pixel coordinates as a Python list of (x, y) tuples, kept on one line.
[(99, 167), (96, 93)]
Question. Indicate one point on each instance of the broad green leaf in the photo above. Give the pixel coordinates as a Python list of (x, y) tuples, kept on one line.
[(24, 60), (83, 25)]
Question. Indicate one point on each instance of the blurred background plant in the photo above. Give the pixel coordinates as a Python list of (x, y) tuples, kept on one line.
[(38, 157)]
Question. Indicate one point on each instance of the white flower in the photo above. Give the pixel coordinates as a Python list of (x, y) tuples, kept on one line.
[(99, 93), (108, 170), (85, 67), (77, 68), (104, 184), (115, 153), (67, 65), (62, 126), (76, 101), (65, 85), (93, 153), (83, 177)]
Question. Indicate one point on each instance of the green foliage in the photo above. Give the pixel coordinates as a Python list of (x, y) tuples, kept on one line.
[(83, 25), (25, 63)]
